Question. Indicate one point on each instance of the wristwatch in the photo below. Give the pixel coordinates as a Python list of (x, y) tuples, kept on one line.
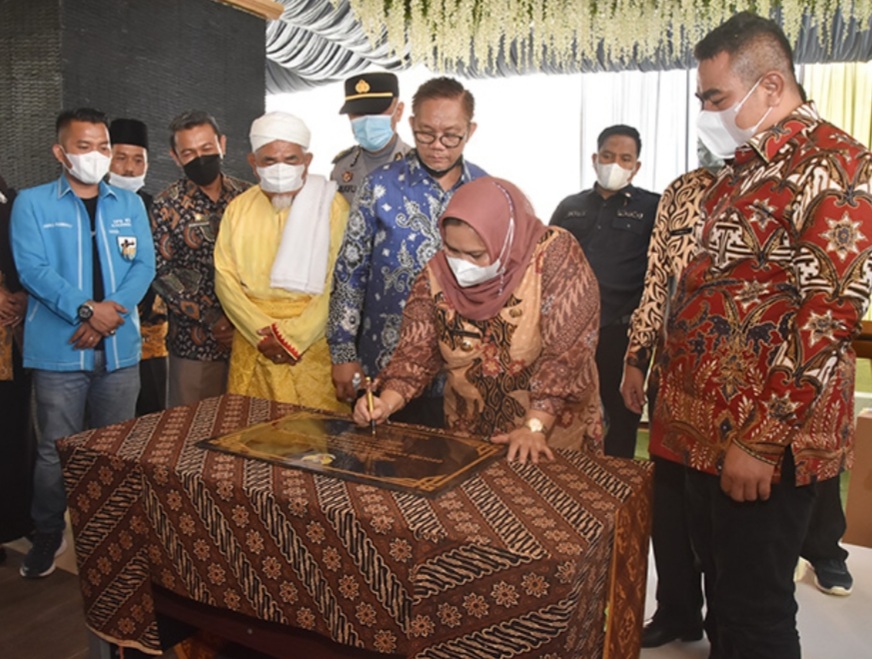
[(85, 312), (535, 425)]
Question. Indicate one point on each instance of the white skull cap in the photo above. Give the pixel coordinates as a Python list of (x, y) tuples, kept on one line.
[(278, 126)]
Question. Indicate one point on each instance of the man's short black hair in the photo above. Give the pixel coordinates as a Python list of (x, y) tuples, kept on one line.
[(444, 87), (190, 119), (90, 115), (620, 129), (755, 45)]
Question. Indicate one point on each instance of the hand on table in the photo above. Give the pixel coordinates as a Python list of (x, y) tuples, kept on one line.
[(343, 377), (633, 388), (744, 477), (523, 444)]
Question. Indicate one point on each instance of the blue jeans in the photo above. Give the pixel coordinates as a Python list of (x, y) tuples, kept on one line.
[(61, 400)]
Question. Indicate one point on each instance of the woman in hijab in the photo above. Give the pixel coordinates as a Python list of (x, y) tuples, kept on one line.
[(509, 309)]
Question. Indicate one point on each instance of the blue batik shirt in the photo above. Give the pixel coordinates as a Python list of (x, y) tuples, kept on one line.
[(392, 232)]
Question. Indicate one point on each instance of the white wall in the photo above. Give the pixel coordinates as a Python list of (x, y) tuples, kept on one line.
[(528, 129)]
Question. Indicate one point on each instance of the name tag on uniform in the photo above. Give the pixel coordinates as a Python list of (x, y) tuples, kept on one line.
[(633, 215), (680, 232)]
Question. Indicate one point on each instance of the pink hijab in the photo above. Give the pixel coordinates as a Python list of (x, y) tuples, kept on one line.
[(490, 206)]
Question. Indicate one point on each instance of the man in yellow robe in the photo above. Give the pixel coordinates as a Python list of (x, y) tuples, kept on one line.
[(273, 269)]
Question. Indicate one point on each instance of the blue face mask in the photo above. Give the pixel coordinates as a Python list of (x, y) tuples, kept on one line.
[(373, 131)]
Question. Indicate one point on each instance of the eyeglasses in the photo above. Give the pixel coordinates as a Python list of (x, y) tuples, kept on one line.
[(448, 140)]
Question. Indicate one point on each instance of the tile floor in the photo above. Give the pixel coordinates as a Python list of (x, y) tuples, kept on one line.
[(829, 627)]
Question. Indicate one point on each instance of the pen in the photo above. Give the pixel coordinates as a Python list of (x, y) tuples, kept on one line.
[(369, 403)]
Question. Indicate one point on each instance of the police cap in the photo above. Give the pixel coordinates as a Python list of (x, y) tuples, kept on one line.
[(370, 93)]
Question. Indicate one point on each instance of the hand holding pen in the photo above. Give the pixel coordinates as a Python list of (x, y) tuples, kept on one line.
[(371, 409), (369, 404)]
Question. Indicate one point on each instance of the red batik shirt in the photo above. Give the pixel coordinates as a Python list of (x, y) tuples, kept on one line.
[(758, 347)]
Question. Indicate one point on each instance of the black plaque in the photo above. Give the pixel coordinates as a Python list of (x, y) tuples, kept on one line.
[(399, 457)]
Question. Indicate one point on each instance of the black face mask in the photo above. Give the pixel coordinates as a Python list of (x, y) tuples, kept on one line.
[(202, 170), (439, 173)]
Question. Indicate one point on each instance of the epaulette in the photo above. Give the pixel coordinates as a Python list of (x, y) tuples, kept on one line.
[(342, 154)]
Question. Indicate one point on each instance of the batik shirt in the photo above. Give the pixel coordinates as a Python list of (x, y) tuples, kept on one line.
[(537, 352), (185, 222), (673, 242), (392, 232), (758, 349), (7, 265)]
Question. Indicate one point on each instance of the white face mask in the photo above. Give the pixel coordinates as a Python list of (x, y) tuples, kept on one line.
[(89, 168), (469, 274), (281, 178), (612, 176), (132, 183), (719, 132)]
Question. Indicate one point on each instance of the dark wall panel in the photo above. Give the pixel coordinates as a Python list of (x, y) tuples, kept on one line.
[(147, 59), (30, 89)]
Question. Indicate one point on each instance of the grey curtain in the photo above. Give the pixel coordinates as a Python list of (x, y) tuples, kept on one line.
[(317, 42)]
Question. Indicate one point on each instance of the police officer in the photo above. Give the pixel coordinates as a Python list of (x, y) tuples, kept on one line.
[(613, 222), (374, 108)]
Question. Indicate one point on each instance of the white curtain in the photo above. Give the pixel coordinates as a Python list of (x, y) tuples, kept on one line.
[(659, 104), (529, 129)]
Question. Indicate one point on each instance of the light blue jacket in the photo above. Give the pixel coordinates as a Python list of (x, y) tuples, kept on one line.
[(51, 241)]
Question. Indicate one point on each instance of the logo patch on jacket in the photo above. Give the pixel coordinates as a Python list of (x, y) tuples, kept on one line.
[(127, 247)]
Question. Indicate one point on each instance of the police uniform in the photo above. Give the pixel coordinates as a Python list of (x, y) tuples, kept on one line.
[(614, 234), (368, 93), (353, 164)]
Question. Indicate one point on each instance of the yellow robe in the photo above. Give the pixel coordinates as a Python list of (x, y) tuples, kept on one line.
[(248, 240)]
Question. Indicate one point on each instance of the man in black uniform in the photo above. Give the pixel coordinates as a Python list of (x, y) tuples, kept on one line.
[(372, 103), (613, 223)]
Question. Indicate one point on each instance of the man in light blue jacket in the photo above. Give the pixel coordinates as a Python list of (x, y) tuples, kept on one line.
[(84, 252)]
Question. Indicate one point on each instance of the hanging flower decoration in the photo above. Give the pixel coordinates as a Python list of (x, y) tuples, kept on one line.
[(481, 36)]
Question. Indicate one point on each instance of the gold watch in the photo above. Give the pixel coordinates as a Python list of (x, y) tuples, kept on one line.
[(535, 425)]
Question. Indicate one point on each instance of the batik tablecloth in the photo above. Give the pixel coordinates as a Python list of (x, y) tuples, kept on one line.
[(528, 561)]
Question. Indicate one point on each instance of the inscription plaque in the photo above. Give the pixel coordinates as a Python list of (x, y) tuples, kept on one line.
[(399, 457)]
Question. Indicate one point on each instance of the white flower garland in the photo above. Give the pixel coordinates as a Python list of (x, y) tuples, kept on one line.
[(559, 34)]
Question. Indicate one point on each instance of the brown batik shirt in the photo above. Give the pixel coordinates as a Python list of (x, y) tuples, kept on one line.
[(673, 242), (537, 353), (185, 222)]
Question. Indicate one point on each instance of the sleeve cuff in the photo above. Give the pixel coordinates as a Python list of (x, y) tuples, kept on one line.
[(770, 457), (638, 356), (551, 405), (287, 345), (406, 390), (342, 353)]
